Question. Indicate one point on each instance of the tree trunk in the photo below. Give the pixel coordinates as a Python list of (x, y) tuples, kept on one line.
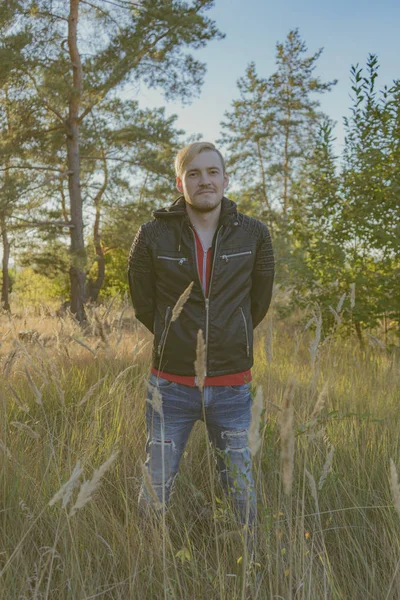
[(5, 287), (359, 334), (78, 253), (94, 286), (286, 167)]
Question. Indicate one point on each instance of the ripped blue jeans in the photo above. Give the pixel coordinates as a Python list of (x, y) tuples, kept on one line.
[(227, 414)]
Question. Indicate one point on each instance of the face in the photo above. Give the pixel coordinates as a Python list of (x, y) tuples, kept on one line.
[(203, 181)]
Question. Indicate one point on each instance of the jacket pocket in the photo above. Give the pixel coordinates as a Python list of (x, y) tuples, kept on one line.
[(246, 330), (227, 257), (164, 331), (181, 260)]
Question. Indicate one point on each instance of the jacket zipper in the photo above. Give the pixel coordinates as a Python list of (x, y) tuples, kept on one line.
[(206, 299), (247, 335), (181, 260), (165, 328), (227, 256)]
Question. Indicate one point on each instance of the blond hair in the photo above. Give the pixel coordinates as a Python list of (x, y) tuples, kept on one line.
[(187, 154)]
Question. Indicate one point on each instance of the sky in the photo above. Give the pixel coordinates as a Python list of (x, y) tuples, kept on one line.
[(347, 30)]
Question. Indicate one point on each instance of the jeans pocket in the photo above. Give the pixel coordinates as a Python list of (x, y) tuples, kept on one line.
[(160, 382), (242, 388)]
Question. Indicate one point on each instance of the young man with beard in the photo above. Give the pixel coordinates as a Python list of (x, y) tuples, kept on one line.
[(203, 238)]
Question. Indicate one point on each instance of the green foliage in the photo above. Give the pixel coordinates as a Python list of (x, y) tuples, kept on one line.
[(348, 226), (269, 132), (335, 228), (122, 147), (32, 289)]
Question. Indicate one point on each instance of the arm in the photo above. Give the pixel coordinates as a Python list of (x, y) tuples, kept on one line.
[(142, 280), (262, 278)]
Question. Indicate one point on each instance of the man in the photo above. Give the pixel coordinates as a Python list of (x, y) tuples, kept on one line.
[(202, 238)]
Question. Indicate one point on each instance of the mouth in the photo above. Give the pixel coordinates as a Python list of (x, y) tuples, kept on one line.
[(205, 192)]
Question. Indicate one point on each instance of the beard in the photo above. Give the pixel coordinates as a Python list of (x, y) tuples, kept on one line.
[(205, 205)]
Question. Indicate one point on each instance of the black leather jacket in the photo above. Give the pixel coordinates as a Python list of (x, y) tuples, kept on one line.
[(163, 262)]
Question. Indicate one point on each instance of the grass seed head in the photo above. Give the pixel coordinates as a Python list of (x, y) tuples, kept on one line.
[(176, 311), (394, 486), (65, 491), (326, 469), (156, 399), (313, 486), (150, 489), (254, 429), (352, 295), (89, 487), (320, 403), (287, 437), (26, 428), (200, 362)]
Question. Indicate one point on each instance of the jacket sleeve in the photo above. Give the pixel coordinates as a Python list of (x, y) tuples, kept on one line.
[(262, 278), (142, 280)]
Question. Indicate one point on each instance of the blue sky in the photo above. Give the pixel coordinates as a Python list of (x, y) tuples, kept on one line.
[(348, 32)]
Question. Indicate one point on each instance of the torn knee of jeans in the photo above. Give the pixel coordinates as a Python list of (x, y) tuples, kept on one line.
[(235, 440), (169, 444)]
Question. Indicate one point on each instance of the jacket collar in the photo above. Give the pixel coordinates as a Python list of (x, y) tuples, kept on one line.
[(178, 209)]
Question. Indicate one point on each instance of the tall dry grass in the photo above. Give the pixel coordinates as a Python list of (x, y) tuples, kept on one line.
[(72, 441)]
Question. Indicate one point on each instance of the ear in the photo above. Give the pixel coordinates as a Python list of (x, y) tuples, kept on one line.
[(179, 185), (226, 181)]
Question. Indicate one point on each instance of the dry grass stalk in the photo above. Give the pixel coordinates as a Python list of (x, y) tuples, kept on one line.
[(89, 487), (338, 318), (313, 487), (109, 307), (101, 330), (320, 403), (91, 390), (6, 451), (18, 400), (65, 491), (156, 399), (119, 377), (59, 389), (313, 347), (254, 429), (326, 469), (287, 437), (26, 428), (310, 322), (200, 362), (352, 295), (269, 341), (78, 341), (37, 393), (150, 489), (8, 363), (340, 303), (394, 486), (176, 311)]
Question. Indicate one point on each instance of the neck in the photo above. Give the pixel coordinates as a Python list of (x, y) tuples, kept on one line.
[(204, 221)]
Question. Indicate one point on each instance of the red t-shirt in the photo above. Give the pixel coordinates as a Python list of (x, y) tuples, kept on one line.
[(204, 260)]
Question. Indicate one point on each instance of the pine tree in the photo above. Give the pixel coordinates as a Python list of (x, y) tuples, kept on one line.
[(72, 75), (270, 131)]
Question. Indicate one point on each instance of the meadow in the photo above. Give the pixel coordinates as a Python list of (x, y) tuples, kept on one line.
[(72, 442)]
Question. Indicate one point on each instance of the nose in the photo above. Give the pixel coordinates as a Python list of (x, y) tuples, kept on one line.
[(204, 178)]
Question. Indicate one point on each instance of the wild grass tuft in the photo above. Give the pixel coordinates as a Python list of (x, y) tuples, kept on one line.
[(334, 534)]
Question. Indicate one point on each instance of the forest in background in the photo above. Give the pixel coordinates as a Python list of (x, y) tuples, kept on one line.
[(82, 166)]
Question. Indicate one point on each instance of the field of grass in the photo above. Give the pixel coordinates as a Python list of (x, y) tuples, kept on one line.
[(72, 409)]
